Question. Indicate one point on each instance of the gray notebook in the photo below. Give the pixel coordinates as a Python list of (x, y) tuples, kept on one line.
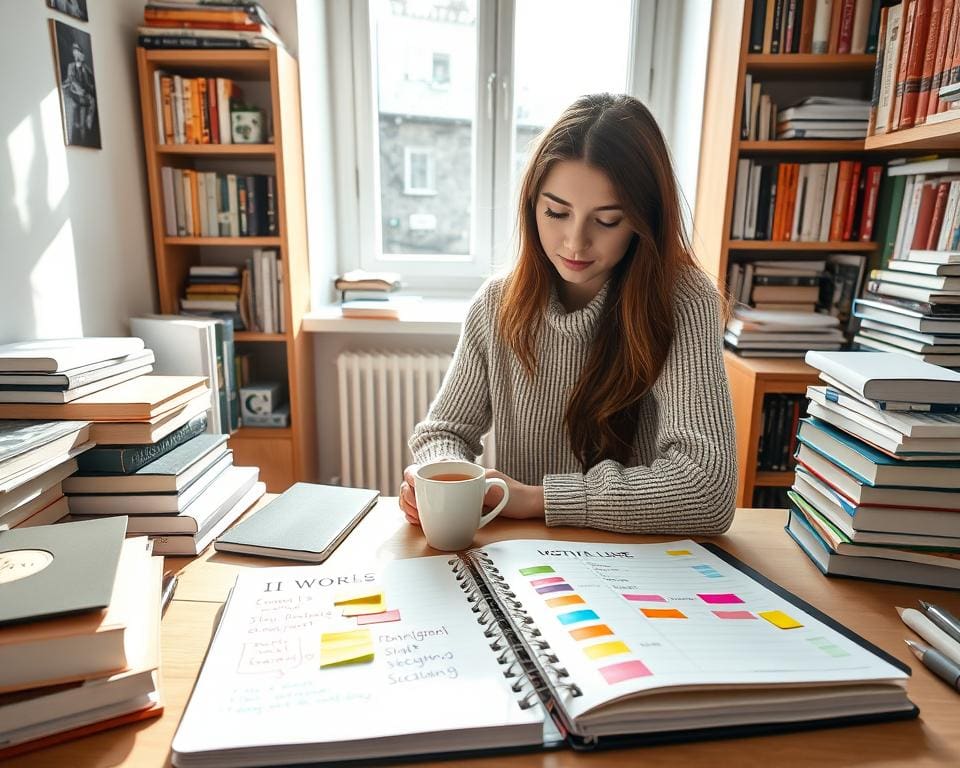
[(306, 522)]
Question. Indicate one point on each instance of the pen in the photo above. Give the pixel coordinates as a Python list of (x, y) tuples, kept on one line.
[(942, 618), (937, 663), (931, 633), (166, 594)]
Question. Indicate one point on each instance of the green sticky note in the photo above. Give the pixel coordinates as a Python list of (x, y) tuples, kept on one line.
[(534, 570)]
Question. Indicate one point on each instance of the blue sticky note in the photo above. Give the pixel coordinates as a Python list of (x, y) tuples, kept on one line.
[(574, 616)]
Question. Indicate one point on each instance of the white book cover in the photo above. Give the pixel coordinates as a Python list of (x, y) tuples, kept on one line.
[(753, 199), (178, 201), (949, 216), (932, 257), (813, 206), (928, 167), (223, 110), (861, 25), (912, 185), (169, 201), (55, 355), (190, 226), (798, 205), (205, 230), (889, 376), (233, 205), (740, 199), (211, 184), (907, 424), (821, 26), (179, 136), (891, 59), (826, 211)]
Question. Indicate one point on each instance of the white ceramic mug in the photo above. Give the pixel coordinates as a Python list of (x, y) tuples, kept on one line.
[(450, 502)]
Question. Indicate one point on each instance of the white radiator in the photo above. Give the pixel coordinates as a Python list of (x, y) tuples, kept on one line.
[(382, 397)]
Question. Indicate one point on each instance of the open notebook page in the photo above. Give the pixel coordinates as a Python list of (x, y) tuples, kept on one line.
[(433, 684), (628, 618)]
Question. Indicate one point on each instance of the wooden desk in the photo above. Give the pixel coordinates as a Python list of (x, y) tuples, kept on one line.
[(757, 537)]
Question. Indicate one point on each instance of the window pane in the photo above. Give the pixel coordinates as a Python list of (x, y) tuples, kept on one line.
[(426, 70), (564, 49)]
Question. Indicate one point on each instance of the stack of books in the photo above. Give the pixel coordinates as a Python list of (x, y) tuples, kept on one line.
[(360, 285), (777, 333), (877, 485), (35, 458), (183, 498), (185, 24), (214, 292), (913, 307), (79, 635), (822, 117)]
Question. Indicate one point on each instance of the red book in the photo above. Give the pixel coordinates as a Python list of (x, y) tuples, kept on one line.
[(852, 196), (780, 201), (845, 34), (918, 42), (928, 196), (844, 172), (945, 65), (930, 53), (906, 36), (834, 36), (870, 194), (936, 221)]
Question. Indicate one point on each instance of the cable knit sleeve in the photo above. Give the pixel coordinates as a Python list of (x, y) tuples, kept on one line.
[(689, 487), (460, 414)]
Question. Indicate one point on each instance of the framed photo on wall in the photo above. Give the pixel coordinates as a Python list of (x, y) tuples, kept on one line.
[(75, 8), (78, 90)]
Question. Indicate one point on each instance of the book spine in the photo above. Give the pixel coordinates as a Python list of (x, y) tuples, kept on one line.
[(930, 53), (918, 42), (124, 460), (757, 19), (871, 193), (941, 75), (845, 34), (877, 75), (852, 200), (906, 38)]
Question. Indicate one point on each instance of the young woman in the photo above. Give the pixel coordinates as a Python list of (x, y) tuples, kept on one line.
[(598, 359)]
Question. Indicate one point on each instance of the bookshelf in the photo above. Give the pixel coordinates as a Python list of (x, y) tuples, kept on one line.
[(270, 79), (729, 62)]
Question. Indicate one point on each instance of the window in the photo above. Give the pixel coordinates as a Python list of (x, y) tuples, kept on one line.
[(418, 172), (448, 96)]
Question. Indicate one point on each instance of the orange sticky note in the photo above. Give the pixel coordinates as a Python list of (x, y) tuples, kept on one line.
[(779, 619), (557, 602), (585, 633), (606, 649), (662, 613), (678, 552)]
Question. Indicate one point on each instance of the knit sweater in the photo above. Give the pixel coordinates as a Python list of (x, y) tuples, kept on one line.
[(681, 477)]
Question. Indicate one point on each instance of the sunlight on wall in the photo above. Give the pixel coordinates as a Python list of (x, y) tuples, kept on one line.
[(22, 148), (53, 282), (58, 179)]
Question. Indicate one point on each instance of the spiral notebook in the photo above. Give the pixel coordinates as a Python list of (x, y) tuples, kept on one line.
[(522, 644)]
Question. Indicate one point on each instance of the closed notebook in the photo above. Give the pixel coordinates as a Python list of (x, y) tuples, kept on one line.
[(306, 522)]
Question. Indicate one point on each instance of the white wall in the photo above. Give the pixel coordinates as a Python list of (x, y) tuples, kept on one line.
[(75, 248)]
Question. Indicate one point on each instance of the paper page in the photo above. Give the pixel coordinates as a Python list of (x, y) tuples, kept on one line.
[(432, 668), (637, 617)]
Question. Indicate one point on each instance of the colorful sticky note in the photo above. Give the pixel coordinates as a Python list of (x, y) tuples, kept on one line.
[(574, 616), (547, 580), (351, 647), (361, 609), (585, 633), (662, 613), (358, 594), (827, 647), (702, 567), (645, 598), (625, 670), (714, 598), (733, 614), (678, 552), (559, 602), (379, 618), (534, 570), (554, 588), (606, 649), (779, 619)]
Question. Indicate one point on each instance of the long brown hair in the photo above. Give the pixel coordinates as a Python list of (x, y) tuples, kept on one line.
[(617, 135)]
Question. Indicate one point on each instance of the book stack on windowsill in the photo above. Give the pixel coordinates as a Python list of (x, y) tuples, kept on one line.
[(877, 487), (186, 24), (79, 636), (372, 295)]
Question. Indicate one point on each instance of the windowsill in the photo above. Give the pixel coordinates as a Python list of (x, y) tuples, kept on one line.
[(429, 316)]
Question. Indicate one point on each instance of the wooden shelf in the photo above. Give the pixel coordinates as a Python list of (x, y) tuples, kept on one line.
[(780, 367), (247, 242), (791, 245), (776, 479), (217, 150), (811, 65), (257, 336), (802, 147), (938, 136), (241, 63), (262, 433)]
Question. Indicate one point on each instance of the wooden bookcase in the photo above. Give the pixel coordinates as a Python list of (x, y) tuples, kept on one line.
[(721, 147), (284, 455)]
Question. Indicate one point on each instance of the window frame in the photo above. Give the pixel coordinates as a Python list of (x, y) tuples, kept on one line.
[(430, 172)]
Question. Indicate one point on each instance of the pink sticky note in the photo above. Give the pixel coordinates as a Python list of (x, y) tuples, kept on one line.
[(548, 580), (733, 614), (719, 599), (379, 618), (625, 670), (645, 598)]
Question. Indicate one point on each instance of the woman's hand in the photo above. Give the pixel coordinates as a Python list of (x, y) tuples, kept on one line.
[(526, 501)]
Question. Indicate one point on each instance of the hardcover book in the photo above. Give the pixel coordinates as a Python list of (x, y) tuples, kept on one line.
[(523, 644), (124, 459), (60, 355)]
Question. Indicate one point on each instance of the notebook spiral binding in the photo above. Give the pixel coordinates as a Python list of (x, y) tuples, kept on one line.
[(527, 675)]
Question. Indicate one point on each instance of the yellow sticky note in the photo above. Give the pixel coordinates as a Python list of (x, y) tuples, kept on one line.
[(678, 552), (362, 609), (779, 619), (358, 594), (351, 647), (606, 649)]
